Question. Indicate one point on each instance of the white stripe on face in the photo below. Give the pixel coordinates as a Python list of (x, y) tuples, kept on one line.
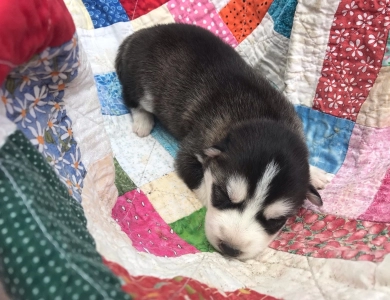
[(263, 185), (237, 188)]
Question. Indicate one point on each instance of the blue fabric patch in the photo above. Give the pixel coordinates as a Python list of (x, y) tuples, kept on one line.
[(105, 12), (165, 139), (327, 138), (33, 97), (282, 12), (110, 94)]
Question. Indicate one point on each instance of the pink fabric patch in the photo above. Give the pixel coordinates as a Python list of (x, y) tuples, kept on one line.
[(380, 207), (352, 190), (329, 236), (203, 14), (146, 229)]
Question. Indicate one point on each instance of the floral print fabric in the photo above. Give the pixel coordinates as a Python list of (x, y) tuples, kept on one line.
[(32, 97)]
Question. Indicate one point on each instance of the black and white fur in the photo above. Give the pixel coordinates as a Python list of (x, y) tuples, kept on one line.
[(242, 148)]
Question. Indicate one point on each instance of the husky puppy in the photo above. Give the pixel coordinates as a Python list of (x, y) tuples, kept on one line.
[(242, 148)]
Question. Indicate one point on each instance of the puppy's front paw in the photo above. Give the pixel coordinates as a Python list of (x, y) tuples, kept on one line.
[(319, 178), (143, 122)]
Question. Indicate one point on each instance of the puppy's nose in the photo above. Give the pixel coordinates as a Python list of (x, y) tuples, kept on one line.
[(228, 250)]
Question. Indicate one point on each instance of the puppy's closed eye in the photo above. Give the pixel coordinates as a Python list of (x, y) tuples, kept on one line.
[(273, 225)]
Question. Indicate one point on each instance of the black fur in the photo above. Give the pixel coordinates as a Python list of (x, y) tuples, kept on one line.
[(206, 95)]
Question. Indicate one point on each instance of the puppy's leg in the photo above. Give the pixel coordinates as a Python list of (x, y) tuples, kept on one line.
[(142, 112), (319, 178), (143, 121)]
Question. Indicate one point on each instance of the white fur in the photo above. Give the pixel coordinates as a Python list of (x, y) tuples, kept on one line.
[(277, 209), (263, 185), (240, 229), (143, 121), (319, 178), (237, 188), (146, 102)]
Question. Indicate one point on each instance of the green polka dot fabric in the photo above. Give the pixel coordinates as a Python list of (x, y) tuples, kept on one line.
[(46, 251)]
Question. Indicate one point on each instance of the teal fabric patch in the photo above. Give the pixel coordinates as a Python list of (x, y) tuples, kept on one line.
[(46, 251), (165, 139), (327, 138), (282, 12)]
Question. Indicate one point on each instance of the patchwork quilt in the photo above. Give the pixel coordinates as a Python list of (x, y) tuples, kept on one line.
[(88, 210)]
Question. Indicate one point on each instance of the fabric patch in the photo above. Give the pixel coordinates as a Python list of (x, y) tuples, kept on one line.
[(203, 14), (191, 229), (165, 139), (329, 236), (46, 251), (147, 287), (171, 198), (380, 207), (136, 9), (157, 16), (353, 57), (282, 12), (352, 191), (243, 16), (105, 12), (110, 94), (101, 45), (143, 159), (145, 228), (386, 57), (79, 13), (266, 51), (375, 111), (33, 97), (327, 138), (122, 182), (307, 47)]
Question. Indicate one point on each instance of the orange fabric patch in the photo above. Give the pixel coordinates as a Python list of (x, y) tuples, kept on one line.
[(243, 16)]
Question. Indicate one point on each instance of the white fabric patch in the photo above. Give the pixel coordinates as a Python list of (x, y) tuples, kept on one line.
[(101, 45), (7, 127), (143, 159), (266, 51), (308, 42), (219, 4), (83, 107)]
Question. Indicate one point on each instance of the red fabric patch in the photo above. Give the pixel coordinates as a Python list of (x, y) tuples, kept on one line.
[(329, 236), (138, 8), (381, 204), (28, 27), (242, 17), (147, 287), (356, 46)]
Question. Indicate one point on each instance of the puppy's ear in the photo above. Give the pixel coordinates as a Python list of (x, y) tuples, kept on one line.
[(213, 151), (313, 196), (217, 149)]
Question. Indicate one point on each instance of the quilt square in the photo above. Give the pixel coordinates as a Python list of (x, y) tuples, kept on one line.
[(327, 138), (105, 12)]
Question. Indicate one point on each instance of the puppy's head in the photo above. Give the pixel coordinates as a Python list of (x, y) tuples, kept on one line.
[(254, 179)]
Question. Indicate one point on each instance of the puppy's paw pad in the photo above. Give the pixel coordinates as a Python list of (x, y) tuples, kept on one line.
[(319, 178), (143, 124)]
